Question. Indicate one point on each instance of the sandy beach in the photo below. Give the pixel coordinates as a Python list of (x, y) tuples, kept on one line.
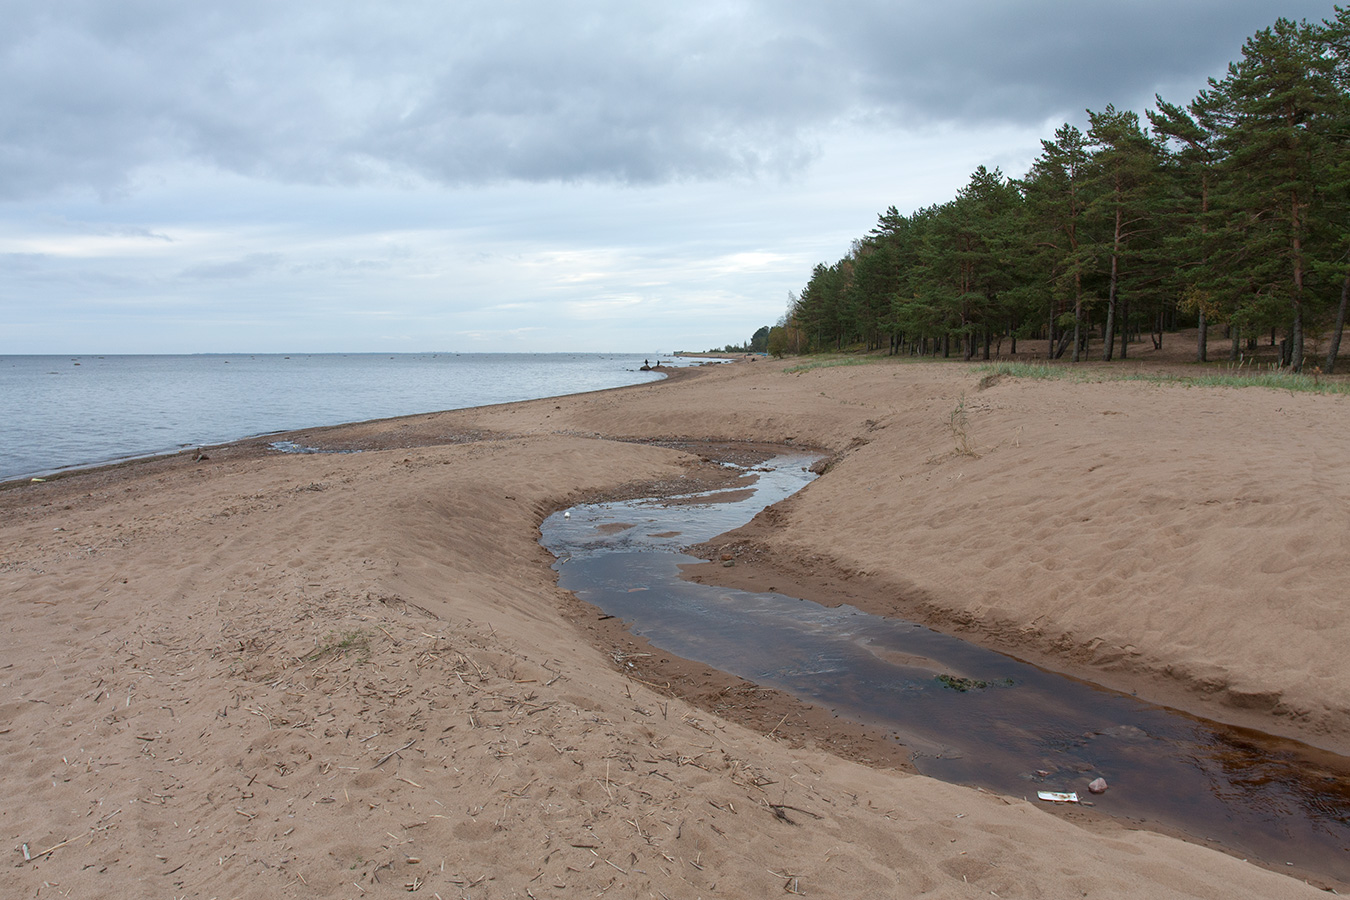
[(265, 675)]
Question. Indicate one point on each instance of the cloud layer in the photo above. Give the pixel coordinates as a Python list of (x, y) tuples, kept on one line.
[(94, 94), (529, 175)]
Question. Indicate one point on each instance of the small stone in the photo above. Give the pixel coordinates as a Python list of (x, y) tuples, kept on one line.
[(1098, 786), (728, 564)]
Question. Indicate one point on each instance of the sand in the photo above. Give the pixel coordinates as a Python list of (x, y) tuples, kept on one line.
[(352, 675)]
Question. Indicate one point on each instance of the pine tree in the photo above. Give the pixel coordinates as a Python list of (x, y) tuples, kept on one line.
[(1273, 105), (1055, 204), (1335, 36), (1123, 185), (1190, 139), (965, 261)]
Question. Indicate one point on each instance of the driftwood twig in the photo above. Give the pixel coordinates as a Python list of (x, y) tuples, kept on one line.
[(384, 759)]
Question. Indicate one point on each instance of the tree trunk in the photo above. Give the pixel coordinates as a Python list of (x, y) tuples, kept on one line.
[(1077, 314), (1063, 345), (1296, 356), (1124, 325), (1335, 347), (1296, 341), (1202, 350), (1109, 329), (1053, 326), (1109, 334)]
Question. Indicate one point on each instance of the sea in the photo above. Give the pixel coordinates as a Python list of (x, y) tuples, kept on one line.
[(65, 412)]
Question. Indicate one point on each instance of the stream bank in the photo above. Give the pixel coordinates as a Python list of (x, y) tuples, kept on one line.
[(968, 715)]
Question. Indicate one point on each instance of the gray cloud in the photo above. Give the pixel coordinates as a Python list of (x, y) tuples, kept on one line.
[(106, 229), (234, 269), (974, 60), (92, 95)]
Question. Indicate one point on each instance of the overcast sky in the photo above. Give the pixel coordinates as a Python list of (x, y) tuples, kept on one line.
[(517, 176)]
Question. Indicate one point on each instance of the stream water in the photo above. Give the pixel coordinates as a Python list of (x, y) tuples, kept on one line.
[(967, 714)]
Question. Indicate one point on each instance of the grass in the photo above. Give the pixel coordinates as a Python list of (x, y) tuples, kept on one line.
[(336, 645), (834, 362), (1237, 376), (1234, 375), (1279, 380), (958, 422), (1032, 370)]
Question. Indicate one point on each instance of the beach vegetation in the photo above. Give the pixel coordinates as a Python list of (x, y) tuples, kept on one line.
[(960, 422), (1037, 371), (1234, 376), (352, 642), (831, 363), (1230, 212)]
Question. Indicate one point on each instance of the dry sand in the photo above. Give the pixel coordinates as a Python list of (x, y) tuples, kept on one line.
[(353, 675)]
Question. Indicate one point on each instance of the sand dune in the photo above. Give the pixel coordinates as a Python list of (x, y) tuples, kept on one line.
[(353, 675)]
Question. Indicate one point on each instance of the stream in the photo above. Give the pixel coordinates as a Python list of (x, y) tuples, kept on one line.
[(968, 715)]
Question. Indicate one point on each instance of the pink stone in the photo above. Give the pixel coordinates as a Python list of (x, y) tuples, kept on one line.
[(1098, 786)]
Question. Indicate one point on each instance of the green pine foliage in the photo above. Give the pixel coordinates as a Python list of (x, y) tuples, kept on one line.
[(1231, 211)]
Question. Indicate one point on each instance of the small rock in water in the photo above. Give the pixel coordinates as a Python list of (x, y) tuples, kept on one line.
[(1098, 786)]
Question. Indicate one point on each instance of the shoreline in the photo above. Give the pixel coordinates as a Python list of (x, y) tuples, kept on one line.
[(254, 445), (422, 557), (216, 421)]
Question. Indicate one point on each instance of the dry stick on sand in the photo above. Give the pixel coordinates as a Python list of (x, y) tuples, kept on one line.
[(38, 856), (778, 809), (384, 759)]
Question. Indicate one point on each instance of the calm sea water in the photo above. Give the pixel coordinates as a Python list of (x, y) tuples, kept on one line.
[(58, 412)]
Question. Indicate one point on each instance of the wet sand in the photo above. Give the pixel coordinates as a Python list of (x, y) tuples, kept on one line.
[(265, 675)]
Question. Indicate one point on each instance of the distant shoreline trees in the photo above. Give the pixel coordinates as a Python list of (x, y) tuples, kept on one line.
[(758, 343), (1232, 211)]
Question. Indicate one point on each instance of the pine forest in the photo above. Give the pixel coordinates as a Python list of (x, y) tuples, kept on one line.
[(1227, 214)]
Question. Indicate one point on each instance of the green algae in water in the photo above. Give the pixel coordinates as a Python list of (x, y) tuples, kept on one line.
[(957, 683)]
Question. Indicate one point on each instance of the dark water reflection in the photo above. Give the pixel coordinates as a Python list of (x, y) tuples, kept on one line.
[(1023, 730)]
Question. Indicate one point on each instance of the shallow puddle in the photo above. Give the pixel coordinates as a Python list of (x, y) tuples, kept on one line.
[(969, 715)]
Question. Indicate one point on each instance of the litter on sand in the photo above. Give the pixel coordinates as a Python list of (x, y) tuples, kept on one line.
[(1058, 796)]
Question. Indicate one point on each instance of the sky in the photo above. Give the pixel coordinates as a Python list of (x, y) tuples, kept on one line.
[(532, 176)]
